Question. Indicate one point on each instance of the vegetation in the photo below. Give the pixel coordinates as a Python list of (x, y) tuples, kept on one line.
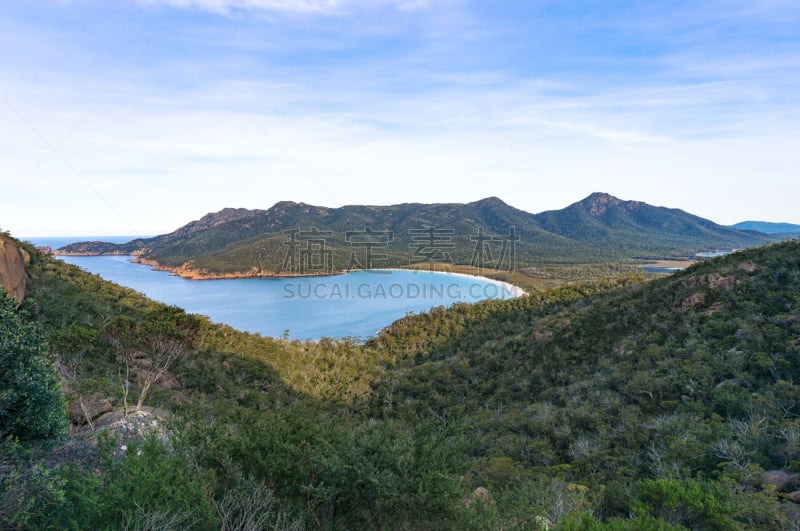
[(613, 404), (31, 405)]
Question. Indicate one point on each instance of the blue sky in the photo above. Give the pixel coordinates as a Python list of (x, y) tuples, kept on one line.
[(137, 116)]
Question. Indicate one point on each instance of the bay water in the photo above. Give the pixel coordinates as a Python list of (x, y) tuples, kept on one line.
[(356, 304)]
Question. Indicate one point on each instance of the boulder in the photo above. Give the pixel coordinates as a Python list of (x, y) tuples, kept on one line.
[(717, 281), (93, 406), (12, 268)]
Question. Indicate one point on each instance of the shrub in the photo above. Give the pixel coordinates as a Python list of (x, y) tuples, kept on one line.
[(31, 403)]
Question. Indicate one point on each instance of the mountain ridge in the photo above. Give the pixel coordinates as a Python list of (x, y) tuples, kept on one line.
[(599, 228)]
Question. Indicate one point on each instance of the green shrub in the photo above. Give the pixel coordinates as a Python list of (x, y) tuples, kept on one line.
[(148, 487), (31, 404)]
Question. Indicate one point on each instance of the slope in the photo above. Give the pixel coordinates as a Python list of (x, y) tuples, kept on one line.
[(693, 376)]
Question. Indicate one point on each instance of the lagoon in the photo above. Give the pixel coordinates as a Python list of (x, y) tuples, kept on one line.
[(356, 304)]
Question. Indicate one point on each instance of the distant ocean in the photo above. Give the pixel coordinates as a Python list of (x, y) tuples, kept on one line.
[(60, 241)]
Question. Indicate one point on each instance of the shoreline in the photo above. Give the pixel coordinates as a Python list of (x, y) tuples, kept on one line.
[(199, 274), (511, 288)]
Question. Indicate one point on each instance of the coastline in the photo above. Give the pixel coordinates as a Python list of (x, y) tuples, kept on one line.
[(200, 274)]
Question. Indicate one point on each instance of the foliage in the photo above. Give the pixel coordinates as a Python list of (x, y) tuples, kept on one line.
[(31, 405), (688, 503), (690, 376), (149, 483), (371, 475)]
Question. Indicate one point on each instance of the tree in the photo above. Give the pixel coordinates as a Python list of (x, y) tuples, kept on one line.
[(31, 404), (163, 352)]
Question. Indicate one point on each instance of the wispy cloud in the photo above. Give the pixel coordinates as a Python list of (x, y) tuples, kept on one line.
[(289, 6)]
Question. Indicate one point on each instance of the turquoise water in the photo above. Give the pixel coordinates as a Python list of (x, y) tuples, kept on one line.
[(356, 304)]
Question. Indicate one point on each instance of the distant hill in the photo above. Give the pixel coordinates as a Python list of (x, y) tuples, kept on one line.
[(297, 238), (605, 220), (767, 227)]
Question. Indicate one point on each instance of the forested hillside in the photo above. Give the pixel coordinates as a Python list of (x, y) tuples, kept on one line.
[(682, 383), (634, 226), (619, 404)]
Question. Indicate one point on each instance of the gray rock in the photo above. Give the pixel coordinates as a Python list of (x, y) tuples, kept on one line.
[(93, 406)]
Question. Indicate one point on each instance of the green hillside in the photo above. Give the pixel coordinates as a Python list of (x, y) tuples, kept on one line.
[(618, 404), (690, 376)]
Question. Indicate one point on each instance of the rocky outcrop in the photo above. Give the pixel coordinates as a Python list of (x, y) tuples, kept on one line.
[(13, 260), (85, 410), (692, 301)]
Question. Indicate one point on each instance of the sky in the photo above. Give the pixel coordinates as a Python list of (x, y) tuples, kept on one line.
[(137, 116)]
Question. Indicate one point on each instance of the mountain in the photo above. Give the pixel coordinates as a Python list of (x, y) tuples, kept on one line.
[(767, 227), (605, 220), (488, 233), (256, 242)]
